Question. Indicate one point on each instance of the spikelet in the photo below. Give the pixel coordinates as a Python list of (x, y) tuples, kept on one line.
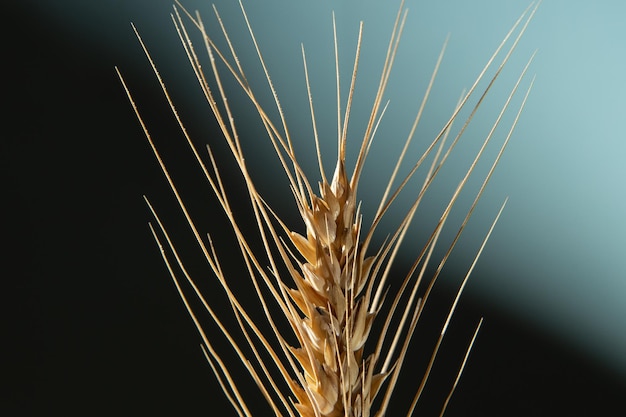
[(326, 283)]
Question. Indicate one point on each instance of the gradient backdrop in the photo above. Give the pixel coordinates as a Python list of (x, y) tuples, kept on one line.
[(95, 325)]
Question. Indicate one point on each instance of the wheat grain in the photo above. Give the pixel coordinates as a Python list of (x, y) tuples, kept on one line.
[(325, 282)]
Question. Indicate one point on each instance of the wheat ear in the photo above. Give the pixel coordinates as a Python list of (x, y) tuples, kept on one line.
[(326, 282)]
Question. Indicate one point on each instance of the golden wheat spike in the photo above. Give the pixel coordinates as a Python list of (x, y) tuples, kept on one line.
[(323, 283)]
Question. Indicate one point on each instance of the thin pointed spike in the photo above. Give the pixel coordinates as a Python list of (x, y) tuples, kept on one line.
[(490, 172), (480, 192), (223, 368), (418, 117), (458, 375), (315, 134), (338, 87), (456, 112), (175, 191), (234, 302), (221, 382), (389, 60), (346, 116), (277, 141), (273, 90), (405, 226), (233, 53), (267, 75), (454, 305), (409, 304)]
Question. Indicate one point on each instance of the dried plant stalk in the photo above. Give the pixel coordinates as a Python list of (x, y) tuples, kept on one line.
[(327, 286)]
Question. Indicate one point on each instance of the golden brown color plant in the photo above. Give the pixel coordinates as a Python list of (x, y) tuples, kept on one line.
[(327, 283)]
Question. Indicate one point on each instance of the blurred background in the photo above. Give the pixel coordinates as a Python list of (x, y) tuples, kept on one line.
[(93, 323)]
